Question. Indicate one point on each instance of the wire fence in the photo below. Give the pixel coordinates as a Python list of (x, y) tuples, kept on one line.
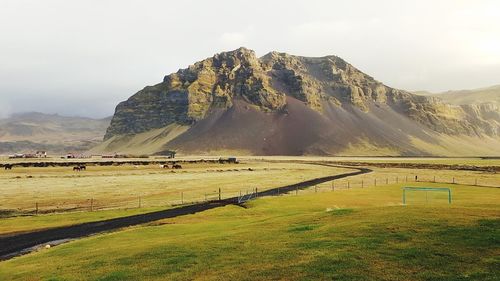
[(374, 181), (192, 197)]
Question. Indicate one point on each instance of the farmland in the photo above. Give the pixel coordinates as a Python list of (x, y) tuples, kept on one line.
[(350, 229), (112, 186)]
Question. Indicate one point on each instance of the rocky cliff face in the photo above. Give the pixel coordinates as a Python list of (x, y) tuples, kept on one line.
[(327, 86), (188, 95)]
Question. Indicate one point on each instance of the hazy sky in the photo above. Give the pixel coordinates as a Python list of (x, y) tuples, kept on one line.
[(82, 57)]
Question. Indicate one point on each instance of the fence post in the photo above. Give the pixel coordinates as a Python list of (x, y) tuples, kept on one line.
[(453, 180), (256, 192), (406, 178), (397, 179), (91, 204), (475, 182), (348, 184), (434, 178), (375, 182), (386, 180), (362, 184), (36, 209), (333, 185), (219, 194)]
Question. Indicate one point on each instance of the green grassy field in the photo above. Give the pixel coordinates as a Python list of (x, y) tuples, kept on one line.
[(355, 234), (18, 224), (116, 189)]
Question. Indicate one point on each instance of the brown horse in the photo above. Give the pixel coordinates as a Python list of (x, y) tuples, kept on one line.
[(8, 166), (176, 166)]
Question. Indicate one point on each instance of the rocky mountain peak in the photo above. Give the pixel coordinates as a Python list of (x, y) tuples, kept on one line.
[(322, 84)]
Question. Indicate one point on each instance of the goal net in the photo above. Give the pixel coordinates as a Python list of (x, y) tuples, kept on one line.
[(426, 195)]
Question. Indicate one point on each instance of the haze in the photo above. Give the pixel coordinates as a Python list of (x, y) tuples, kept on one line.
[(83, 57)]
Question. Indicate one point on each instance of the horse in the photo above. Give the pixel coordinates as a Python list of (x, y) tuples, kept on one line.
[(83, 167), (164, 166), (76, 168), (8, 166), (176, 166)]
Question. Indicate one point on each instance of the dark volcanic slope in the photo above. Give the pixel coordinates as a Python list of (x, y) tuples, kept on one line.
[(290, 105)]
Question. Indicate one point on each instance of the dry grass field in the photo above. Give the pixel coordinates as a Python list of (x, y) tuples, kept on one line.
[(128, 186)]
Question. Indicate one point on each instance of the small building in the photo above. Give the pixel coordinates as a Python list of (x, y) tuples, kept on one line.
[(16, 155), (69, 156), (229, 160), (170, 154), (41, 154)]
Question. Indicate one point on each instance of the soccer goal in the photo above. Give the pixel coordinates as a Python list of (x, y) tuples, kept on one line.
[(426, 194)]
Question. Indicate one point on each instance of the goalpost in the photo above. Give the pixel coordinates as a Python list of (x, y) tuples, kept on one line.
[(426, 190)]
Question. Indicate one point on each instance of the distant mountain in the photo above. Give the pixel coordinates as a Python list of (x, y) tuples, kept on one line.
[(475, 96), (27, 132), (235, 102)]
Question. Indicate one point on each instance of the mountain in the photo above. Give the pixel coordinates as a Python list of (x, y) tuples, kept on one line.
[(237, 103), (465, 97), (28, 132)]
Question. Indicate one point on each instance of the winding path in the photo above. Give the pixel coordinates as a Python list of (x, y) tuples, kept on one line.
[(17, 244)]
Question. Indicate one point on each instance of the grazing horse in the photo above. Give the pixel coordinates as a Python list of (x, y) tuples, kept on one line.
[(76, 168), (164, 166), (8, 166), (176, 166), (83, 167)]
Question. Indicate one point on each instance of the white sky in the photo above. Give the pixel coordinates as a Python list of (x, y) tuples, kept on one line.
[(81, 57)]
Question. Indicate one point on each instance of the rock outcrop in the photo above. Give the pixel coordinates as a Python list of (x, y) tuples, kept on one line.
[(327, 89)]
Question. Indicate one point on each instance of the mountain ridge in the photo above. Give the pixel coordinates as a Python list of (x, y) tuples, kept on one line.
[(30, 131), (276, 89), (481, 95)]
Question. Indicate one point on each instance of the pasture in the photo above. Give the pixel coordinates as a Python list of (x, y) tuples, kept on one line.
[(350, 229), (121, 186), (355, 234), (127, 189)]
